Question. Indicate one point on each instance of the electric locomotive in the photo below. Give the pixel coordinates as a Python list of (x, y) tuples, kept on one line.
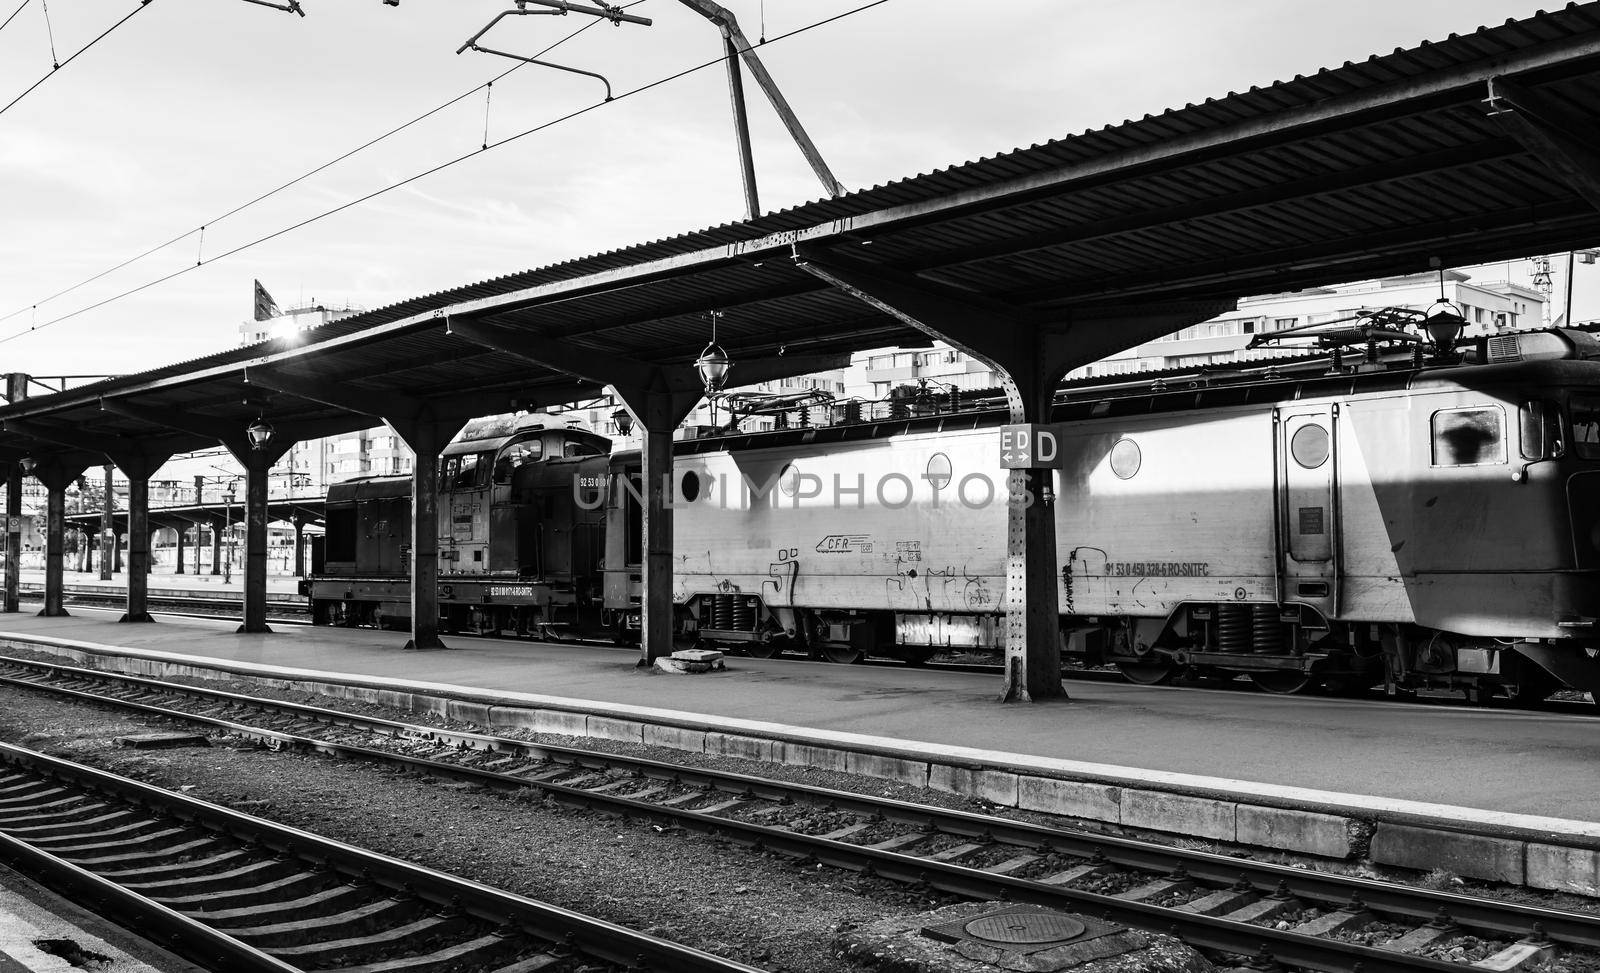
[(1393, 522)]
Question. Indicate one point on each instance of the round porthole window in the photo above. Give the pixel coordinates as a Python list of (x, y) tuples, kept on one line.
[(789, 480), (1126, 458), (689, 491), (939, 471), (1309, 446)]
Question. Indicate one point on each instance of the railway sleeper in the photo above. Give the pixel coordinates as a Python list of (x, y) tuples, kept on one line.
[(269, 905), (369, 917), (356, 948), (267, 882)]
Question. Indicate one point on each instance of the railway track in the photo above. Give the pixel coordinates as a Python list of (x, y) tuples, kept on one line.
[(1217, 902), (234, 892)]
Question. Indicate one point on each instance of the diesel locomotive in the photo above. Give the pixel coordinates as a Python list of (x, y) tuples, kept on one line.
[(1400, 523)]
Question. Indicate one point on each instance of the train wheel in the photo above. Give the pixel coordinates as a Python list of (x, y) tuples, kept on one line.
[(1283, 682), (1147, 673), (765, 650), (843, 654)]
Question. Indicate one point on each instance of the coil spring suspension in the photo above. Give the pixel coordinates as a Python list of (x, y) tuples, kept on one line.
[(744, 613), (1266, 629), (722, 612), (1233, 628)]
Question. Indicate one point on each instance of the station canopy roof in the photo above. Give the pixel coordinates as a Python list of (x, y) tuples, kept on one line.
[(1364, 170)]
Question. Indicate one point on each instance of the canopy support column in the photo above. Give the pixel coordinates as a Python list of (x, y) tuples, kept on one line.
[(13, 538), (657, 415), (257, 462), (1031, 353), (180, 530), (108, 528), (138, 465), (300, 546), (216, 548), (427, 438), (56, 473)]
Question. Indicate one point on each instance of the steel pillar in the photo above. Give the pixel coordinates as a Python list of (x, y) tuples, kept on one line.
[(1031, 354), (116, 548), (180, 530), (56, 474), (300, 547), (108, 529), (13, 538), (86, 546), (216, 549), (426, 437), (657, 414), (138, 550), (256, 464)]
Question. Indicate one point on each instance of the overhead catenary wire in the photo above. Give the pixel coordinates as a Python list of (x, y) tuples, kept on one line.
[(348, 204), (310, 172), (74, 56), (14, 13)]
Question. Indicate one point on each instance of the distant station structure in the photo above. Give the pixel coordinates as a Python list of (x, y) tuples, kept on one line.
[(1036, 261)]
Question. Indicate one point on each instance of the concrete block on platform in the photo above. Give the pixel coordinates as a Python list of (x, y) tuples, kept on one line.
[(608, 728), (1070, 798), (1468, 855), (398, 700), (807, 755), (1563, 868), (735, 745), (914, 772), (1198, 817), (465, 711), (538, 720), (676, 737), (995, 786), (1308, 832), (433, 705)]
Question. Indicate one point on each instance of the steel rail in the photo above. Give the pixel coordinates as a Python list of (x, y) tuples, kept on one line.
[(154, 921), (596, 937), (1417, 904)]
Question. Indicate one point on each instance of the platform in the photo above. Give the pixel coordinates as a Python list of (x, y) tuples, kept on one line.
[(1329, 776)]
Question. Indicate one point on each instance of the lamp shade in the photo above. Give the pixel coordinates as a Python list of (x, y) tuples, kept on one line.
[(713, 365), (259, 432), (28, 465), (624, 420), (1444, 324)]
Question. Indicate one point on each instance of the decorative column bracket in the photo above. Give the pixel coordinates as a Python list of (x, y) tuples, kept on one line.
[(1562, 137), (1031, 354)]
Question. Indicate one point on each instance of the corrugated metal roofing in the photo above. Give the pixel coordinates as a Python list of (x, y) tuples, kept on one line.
[(1363, 170)]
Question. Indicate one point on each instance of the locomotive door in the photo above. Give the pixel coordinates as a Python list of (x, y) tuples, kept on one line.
[(1308, 518)]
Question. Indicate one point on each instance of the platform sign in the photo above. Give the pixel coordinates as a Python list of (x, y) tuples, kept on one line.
[(1028, 446)]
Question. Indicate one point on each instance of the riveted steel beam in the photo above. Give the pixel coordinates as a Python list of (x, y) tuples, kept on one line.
[(1560, 136)]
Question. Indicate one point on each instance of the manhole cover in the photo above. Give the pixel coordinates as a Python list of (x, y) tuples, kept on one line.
[(1025, 927), (1022, 929)]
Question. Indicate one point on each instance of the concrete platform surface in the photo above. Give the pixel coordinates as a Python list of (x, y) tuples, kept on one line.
[(1332, 777)]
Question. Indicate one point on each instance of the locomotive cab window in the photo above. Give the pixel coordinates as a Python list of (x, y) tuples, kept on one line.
[(1541, 430), (1586, 426), (463, 472), (1469, 437), (516, 455)]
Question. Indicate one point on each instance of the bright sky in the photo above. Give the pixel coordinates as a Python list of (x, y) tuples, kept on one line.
[(196, 106)]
